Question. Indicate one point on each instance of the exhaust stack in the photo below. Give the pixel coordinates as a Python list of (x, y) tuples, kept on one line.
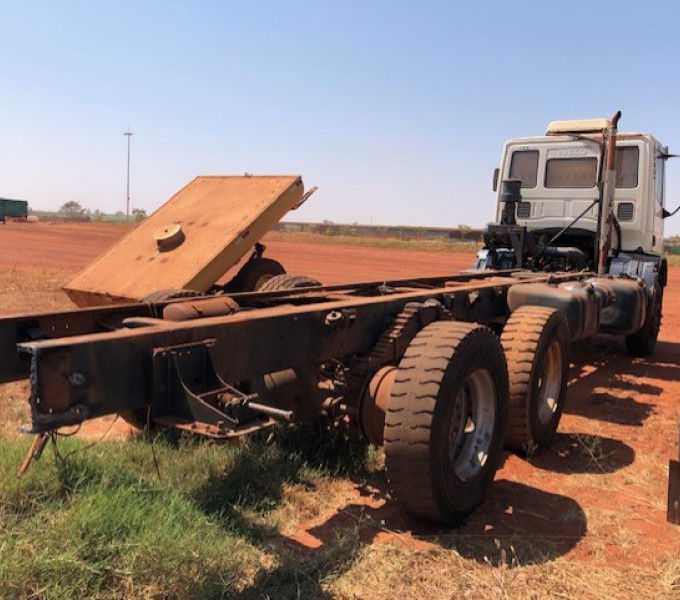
[(607, 208)]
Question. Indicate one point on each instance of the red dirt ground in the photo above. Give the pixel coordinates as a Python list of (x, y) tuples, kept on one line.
[(71, 247), (598, 494)]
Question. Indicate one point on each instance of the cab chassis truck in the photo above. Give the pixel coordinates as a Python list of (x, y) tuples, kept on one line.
[(444, 372)]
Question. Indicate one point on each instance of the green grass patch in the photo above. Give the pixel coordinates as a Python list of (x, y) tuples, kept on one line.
[(97, 525), (103, 522)]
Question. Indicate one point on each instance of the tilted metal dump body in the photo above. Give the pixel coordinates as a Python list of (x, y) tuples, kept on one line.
[(191, 241)]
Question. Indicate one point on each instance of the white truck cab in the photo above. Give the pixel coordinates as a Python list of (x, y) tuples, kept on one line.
[(559, 175), (551, 190)]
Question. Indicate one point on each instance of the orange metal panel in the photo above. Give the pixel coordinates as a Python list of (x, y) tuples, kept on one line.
[(220, 219)]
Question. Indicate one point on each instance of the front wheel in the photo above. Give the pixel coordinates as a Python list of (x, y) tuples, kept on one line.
[(643, 342), (446, 420)]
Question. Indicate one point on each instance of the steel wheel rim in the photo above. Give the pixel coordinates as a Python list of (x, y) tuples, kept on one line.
[(549, 384), (472, 426)]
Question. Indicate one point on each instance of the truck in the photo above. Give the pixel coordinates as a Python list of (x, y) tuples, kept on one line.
[(443, 372), (14, 209)]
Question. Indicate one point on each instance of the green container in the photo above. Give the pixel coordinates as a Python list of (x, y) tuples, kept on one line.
[(13, 208)]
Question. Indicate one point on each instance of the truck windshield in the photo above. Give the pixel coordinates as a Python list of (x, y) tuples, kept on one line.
[(571, 172)]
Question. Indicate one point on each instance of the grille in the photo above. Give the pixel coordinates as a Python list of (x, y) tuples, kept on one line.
[(523, 210), (624, 211)]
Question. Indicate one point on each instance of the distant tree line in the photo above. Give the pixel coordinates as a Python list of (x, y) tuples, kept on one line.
[(73, 211)]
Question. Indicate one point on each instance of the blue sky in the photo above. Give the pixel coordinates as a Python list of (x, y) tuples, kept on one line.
[(396, 110)]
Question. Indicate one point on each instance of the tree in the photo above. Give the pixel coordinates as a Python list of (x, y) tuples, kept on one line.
[(464, 231), (72, 209), (138, 214)]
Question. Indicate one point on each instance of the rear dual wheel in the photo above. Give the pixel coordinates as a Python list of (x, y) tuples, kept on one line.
[(536, 343), (446, 420), (256, 272), (170, 294), (287, 282)]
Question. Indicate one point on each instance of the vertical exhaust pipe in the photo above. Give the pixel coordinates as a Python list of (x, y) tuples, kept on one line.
[(607, 208)]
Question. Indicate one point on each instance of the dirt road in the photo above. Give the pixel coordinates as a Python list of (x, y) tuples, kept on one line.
[(70, 247), (598, 494)]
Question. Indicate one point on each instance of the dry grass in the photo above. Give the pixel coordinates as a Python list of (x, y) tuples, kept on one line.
[(673, 260), (375, 242), (14, 410), (32, 290), (304, 504), (387, 572), (26, 290)]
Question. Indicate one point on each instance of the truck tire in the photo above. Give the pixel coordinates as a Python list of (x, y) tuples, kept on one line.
[(288, 282), (643, 342), (256, 272), (536, 343), (171, 294), (446, 420)]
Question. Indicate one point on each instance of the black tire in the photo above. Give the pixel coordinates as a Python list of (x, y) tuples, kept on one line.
[(536, 342), (643, 342), (447, 409), (288, 282), (256, 272), (165, 295), (172, 294)]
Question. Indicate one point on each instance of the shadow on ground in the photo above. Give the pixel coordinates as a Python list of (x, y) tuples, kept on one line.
[(580, 453), (516, 522), (606, 384), (244, 498)]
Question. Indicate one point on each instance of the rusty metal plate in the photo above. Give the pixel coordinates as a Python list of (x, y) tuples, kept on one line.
[(190, 241)]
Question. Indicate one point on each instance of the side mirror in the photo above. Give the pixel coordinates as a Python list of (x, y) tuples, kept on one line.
[(496, 171), (665, 214)]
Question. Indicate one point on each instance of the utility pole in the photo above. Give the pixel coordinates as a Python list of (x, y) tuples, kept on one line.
[(128, 134)]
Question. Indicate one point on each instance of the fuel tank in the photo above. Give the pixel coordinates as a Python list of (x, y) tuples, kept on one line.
[(581, 302), (627, 313), (598, 304)]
